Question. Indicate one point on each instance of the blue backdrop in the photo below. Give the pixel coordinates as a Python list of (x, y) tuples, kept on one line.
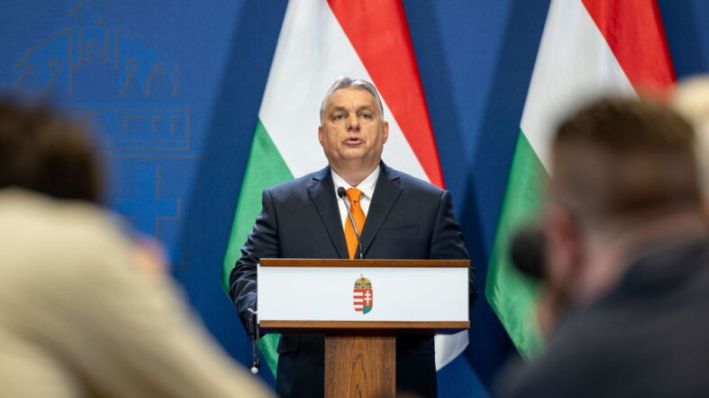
[(173, 90)]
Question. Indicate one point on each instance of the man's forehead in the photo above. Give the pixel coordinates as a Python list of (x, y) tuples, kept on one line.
[(345, 96)]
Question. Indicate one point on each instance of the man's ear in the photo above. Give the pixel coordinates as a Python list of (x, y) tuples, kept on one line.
[(705, 206), (564, 248), (320, 134)]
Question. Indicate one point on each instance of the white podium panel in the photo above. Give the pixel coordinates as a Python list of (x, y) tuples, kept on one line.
[(363, 294)]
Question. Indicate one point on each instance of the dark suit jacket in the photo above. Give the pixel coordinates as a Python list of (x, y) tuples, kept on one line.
[(407, 218)]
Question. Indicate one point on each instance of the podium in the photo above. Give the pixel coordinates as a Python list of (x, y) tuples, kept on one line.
[(360, 306)]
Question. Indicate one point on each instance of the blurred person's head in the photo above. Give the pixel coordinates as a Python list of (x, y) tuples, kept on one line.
[(691, 100), (45, 152), (48, 153), (623, 177)]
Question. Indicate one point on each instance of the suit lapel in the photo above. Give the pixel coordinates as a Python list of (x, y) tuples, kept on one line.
[(322, 193), (386, 193)]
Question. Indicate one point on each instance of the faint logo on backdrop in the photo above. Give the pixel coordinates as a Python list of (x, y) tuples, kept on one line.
[(113, 78), (129, 90)]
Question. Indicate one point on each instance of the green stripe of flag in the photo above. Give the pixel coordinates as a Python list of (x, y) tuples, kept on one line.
[(264, 169), (511, 294)]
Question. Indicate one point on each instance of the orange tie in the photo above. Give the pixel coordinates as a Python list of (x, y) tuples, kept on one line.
[(353, 195)]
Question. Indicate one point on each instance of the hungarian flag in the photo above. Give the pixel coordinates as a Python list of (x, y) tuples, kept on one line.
[(589, 48), (319, 42)]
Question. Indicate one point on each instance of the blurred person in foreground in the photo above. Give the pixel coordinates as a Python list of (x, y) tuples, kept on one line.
[(627, 254), (85, 310)]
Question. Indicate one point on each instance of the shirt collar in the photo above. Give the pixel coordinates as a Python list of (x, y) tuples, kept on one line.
[(366, 186)]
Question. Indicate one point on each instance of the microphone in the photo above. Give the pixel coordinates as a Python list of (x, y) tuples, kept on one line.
[(253, 330), (528, 252), (342, 193)]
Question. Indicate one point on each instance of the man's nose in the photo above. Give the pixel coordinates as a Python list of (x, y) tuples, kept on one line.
[(353, 123)]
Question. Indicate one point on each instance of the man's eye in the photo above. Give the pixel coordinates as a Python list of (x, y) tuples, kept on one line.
[(338, 116), (366, 115)]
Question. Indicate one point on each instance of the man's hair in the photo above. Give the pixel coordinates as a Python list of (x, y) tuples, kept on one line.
[(346, 82), (620, 160), (42, 151)]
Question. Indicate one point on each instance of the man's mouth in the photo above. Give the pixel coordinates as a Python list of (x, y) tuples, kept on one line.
[(353, 141)]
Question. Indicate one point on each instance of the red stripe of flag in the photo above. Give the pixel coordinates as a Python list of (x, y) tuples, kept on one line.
[(379, 33), (633, 29)]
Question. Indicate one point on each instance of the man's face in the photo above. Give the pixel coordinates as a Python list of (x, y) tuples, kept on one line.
[(353, 132)]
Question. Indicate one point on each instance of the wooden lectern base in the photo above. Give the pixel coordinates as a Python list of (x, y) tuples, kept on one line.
[(360, 366)]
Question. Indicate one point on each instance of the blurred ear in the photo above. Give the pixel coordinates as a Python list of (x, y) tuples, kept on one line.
[(705, 205), (564, 249)]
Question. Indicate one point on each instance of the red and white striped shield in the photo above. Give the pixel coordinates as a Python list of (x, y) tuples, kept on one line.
[(363, 295)]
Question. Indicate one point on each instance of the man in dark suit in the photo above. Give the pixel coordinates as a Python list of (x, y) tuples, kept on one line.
[(398, 216), (627, 268)]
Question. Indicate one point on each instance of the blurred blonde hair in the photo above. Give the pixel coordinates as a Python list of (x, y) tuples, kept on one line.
[(691, 100)]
